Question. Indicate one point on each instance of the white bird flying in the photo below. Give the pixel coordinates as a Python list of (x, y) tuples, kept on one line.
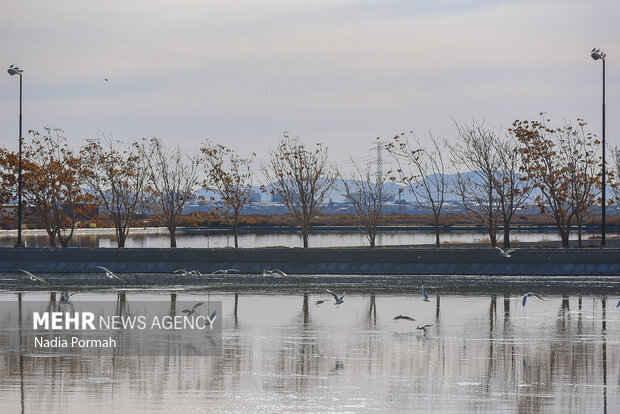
[(426, 298), (33, 277), (338, 300), (224, 271), (65, 299), (398, 317), (423, 328), (191, 312), (505, 253), (110, 274), (530, 294), (212, 316), (185, 272), (274, 272)]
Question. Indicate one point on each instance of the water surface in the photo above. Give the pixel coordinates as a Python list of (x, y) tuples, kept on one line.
[(318, 238), (283, 353)]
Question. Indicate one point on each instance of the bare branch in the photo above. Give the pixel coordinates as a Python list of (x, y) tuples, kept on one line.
[(302, 177)]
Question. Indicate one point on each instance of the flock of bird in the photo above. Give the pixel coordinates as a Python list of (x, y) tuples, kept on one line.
[(421, 328), (266, 272), (338, 300), (183, 272)]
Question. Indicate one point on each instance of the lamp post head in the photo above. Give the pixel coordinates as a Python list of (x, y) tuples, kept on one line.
[(14, 70), (597, 54)]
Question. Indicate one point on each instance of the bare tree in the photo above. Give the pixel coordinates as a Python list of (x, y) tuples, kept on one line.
[(423, 170), (173, 179), (301, 177), (230, 176), (579, 150), (366, 192), (512, 187), (475, 184), (118, 180)]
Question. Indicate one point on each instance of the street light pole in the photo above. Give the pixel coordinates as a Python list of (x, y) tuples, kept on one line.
[(14, 70), (596, 55)]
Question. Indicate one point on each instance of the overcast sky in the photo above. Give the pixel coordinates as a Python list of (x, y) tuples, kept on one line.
[(342, 72)]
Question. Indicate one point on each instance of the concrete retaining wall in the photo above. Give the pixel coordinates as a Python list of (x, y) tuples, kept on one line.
[(346, 261)]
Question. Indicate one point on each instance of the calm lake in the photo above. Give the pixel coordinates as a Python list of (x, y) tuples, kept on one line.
[(282, 353), (204, 238)]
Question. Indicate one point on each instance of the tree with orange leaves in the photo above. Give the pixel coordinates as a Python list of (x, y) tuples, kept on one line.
[(230, 176), (118, 180), (8, 183), (51, 183), (302, 177), (564, 167)]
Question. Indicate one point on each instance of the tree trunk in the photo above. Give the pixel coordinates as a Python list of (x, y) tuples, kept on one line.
[(492, 230), (64, 241), (304, 235), (437, 244), (371, 239), (121, 237), (506, 235), (579, 224), (52, 237), (173, 237), (236, 233), (564, 235)]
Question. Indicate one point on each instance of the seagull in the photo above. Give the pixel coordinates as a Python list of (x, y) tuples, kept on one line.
[(65, 299), (338, 300), (224, 271), (274, 272), (110, 274), (212, 316), (33, 277), (191, 312), (530, 294), (184, 272), (423, 328), (407, 318), (505, 253), (319, 302), (618, 305), (426, 299)]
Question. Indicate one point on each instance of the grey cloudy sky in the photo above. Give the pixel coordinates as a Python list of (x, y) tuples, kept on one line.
[(337, 71)]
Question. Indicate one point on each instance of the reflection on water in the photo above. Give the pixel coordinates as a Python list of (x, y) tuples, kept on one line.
[(284, 353), (209, 238)]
